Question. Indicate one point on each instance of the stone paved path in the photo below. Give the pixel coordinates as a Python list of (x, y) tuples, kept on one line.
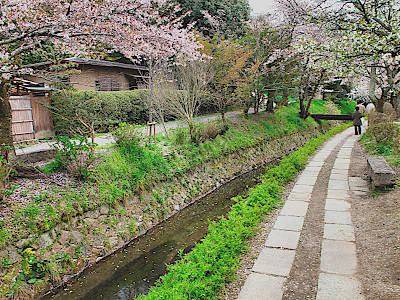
[(338, 261)]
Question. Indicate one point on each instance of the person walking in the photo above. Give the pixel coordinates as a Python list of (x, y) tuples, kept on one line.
[(361, 106), (357, 115)]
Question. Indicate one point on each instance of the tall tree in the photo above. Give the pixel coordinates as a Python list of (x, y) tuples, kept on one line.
[(225, 17), (134, 28), (364, 38)]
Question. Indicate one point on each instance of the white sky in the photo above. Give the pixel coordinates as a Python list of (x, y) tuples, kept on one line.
[(261, 6)]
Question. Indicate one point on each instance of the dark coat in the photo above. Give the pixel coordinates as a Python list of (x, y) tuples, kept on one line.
[(357, 118)]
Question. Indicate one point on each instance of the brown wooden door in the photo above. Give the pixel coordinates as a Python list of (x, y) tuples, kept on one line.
[(22, 118), (42, 120)]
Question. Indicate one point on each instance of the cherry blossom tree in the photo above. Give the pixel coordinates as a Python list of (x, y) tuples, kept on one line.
[(134, 28)]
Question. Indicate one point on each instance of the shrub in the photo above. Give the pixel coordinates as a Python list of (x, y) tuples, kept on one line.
[(73, 155), (208, 131)]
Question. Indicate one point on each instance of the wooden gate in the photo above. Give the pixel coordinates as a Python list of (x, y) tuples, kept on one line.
[(22, 118), (30, 119)]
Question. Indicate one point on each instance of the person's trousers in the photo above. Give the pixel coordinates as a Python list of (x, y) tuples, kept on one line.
[(357, 129)]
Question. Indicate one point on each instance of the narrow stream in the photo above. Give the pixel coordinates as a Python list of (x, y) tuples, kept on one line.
[(133, 269)]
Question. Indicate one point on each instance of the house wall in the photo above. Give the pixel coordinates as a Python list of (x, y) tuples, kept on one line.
[(108, 78)]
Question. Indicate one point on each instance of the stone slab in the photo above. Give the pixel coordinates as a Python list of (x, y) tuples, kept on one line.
[(337, 194), (295, 208), (338, 257), (307, 179), (337, 205), (289, 223), (274, 261), (342, 166), (262, 287), (339, 232), (337, 184), (302, 188), (341, 160), (338, 176), (342, 171), (299, 197), (315, 169), (337, 217), (316, 163), (338, 287), (283, 239)]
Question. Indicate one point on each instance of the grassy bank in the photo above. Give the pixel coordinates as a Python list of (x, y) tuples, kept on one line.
[(203, 273)]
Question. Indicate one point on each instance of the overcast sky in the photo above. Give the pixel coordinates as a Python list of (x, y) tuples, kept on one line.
[(261, 6)]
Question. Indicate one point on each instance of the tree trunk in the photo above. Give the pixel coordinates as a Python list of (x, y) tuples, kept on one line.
[(372, 85), (285, 97), (5, 118), (270, 102)]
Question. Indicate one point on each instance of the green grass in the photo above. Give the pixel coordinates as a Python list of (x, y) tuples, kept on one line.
[(203, 273)]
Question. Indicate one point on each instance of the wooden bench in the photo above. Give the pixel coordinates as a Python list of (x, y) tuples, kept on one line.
[(380, 173)]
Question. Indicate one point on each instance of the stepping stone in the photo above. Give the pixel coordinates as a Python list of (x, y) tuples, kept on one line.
[(338, 257), (301, 188), (339, 232), (283, 239), (274, 261), (295, 208), (337, 217), (337, 194), (289, 223), (336, 184), (299, 197), (262, 287), (337, 205), (338, 287)]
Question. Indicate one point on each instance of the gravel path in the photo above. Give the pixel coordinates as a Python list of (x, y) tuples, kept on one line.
[(109, 139)]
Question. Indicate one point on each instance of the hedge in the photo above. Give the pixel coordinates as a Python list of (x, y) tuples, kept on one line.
[(104, 108), (203, 273)]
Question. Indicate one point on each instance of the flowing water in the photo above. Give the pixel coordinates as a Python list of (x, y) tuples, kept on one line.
[(132, 270)]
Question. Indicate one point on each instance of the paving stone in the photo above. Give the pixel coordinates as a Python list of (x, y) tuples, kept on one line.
[(307, 179), (338, 257), (339, 232), (337, 217), (337, 194), (338, 287), (312, 169), (262, 287), (341, 166), (289, 223), (364, 189), (316, 163), (336, 184), (302, 188), (299, 197), (337, 205), (295, 208), (342, 171), (340, 160), (335, 176), (283, 239), (274, 261)]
